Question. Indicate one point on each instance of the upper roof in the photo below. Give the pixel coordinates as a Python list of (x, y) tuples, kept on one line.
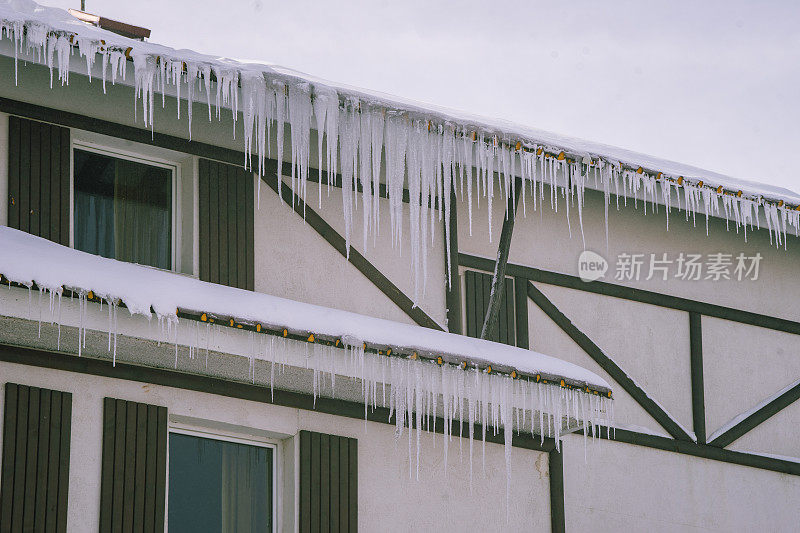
[(24, 13)]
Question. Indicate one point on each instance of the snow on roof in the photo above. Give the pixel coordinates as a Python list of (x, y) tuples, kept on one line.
[(29, 260), (360, 134), (45, 24)]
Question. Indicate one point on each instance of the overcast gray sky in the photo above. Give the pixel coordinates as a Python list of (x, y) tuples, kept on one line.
[(709, 83)]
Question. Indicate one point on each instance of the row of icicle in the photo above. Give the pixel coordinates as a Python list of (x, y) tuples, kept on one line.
[(363, 142), (416, 392)]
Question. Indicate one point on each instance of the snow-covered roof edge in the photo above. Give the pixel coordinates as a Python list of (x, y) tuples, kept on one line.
[(35, 26), (29, 260)]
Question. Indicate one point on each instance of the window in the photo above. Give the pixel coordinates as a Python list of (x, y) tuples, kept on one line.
[(123, 208), (220, 485)]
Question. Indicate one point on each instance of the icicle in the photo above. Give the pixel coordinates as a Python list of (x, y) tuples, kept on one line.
[(300, 110), (365, 170), (348, 139)]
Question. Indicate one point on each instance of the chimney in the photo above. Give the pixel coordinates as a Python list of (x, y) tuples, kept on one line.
[(120, 28)]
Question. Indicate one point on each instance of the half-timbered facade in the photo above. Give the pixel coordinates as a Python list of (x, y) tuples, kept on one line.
[(116, 422)]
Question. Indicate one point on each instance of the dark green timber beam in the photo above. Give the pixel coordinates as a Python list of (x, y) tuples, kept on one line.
[(758, 416), (696, 365), (243, 391), (453, 281), (499, 278), (635, 295), (521, 312), (605, 362), (705, 451), (558, 523)]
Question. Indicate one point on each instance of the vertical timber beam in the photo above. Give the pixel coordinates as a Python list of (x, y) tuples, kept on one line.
[(453, 285), (698, 392), (521, 312), (499, 278), (557, 519)]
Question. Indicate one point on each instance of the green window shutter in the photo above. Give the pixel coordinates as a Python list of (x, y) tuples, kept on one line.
[(39, 179), (328, 482), (477, 290), (134, 467), (35, 475), (227, 244)]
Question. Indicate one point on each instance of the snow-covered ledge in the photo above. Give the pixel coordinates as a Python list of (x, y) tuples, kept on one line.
[(410, 369)]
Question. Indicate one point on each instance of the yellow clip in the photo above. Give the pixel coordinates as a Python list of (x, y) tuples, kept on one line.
[(90, 295), (680, 180), (658, 176), (414, 356), (739, 194), (719, 189), (700, 183), (463, 365), (474, 135), (609, 394), (639, 170), (230, 322), (538, 378), (780, 203), (488, 369), (285, 332), (561, 156), (389, 351), (562, 383), (311, 338), (128, 52), (539, 151), (519, 145), (336, 342), (239, 326), (514, 374), (258, 328)]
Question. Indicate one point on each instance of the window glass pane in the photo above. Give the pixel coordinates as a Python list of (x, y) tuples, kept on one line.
[(221, 486), (123, 209)]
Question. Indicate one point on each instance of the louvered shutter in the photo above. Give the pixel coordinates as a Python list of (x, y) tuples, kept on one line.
[(39, 179), (226, 202), (36, 443), (328, 482), (477, 290), (134, 467)]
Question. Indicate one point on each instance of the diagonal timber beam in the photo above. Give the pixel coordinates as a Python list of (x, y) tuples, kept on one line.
[(499, 278), (453, 282), (780, 401), (607, 364), (355, 258)]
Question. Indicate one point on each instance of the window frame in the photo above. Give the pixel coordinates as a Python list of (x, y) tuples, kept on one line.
[(107, 149), (234, 437)]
